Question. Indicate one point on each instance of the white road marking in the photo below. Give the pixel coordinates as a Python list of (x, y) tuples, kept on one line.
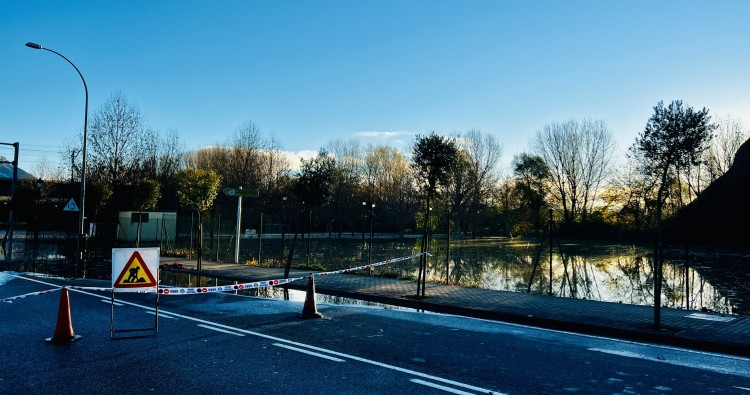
[(162, 315), (743, 388), (442, 387), (708, 317), (220, 330), (671, 361), (108, 301), (277, 339), (308, 352)]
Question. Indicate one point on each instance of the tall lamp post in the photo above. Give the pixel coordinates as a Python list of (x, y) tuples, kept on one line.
[(283, 225), (364, 207), (81, 210), (369, 250), (309, 233)]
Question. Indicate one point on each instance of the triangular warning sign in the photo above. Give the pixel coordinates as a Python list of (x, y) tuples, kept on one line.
[(71, 206), (135, 274)]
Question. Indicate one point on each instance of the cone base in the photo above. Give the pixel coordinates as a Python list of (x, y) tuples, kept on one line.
[(310, 315), (63, 340)]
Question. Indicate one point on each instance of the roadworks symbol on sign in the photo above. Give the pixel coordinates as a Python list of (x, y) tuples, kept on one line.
[(135, 274)]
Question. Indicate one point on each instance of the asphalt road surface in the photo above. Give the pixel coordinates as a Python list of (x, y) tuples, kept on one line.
[(225, 343)]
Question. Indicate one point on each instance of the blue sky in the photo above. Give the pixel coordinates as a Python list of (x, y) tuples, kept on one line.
[(379, 71)]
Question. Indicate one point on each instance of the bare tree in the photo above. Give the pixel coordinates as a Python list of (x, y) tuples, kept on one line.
[(390, 181), (277, 169), (45, 170), (344, 202), (117, 141), (348, 155), (245, 164), (729, 135), (483, 155), (171, 156), (578, 154)]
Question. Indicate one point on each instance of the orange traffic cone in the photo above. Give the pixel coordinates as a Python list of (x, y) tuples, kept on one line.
[(64, 329), (310, 310)]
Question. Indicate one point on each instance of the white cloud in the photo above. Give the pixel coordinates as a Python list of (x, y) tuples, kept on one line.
[(294, 157), (383, 135)]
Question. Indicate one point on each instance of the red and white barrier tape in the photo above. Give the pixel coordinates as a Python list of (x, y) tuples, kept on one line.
[(108, 289), (235, 287), (386, 262), (225, 288), (12, 298), (273, 283)]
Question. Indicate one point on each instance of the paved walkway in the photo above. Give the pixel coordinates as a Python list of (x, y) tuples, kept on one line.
[(682, 328)]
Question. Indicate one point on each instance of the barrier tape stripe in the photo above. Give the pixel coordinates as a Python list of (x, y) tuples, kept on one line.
[(381, 263), (273, 283), (12, 298), (235, 287), (89, 288), (225, 288)]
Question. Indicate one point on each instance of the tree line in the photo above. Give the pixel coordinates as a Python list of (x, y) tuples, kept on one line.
[(570, 168)]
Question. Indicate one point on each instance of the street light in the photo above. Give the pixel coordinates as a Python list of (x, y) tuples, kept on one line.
[(364, 207), (309, 233), (38, 185), (429, 228), (283, 225), (369, 250), (81, 210)]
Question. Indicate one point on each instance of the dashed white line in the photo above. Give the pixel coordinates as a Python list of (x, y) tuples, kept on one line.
[(162, 315), (442, 387), (107, 301), (239, 331), (308, 352), (220, 330)]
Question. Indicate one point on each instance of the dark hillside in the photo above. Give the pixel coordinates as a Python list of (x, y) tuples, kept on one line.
[(721, 215)]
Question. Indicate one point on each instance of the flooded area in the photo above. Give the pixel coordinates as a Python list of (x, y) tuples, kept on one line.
[(696, 278)]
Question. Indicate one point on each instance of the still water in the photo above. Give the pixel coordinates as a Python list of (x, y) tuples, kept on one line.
[(696, 278)]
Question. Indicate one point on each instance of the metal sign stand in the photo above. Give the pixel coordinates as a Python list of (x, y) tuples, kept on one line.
[(140, 275), (135, 332)]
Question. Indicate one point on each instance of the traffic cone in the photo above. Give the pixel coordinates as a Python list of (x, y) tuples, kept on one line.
[(64, 330), (310, 310)]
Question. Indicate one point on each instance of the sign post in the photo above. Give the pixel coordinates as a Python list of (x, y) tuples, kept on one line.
[(135, 270), (239, 193)]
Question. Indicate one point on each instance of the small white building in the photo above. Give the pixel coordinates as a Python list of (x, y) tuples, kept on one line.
[(158, 226)]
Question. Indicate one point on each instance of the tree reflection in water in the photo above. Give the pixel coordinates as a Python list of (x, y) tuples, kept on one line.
[(598, 271), (698, 279)]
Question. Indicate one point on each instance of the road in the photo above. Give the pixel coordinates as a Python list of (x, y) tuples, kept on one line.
[(224, 343)]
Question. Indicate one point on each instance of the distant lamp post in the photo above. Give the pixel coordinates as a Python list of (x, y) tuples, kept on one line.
[(38, 185), (81, 209), (364, 207), (309, 233), (369, 250), (429, 229), (283, 225)]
